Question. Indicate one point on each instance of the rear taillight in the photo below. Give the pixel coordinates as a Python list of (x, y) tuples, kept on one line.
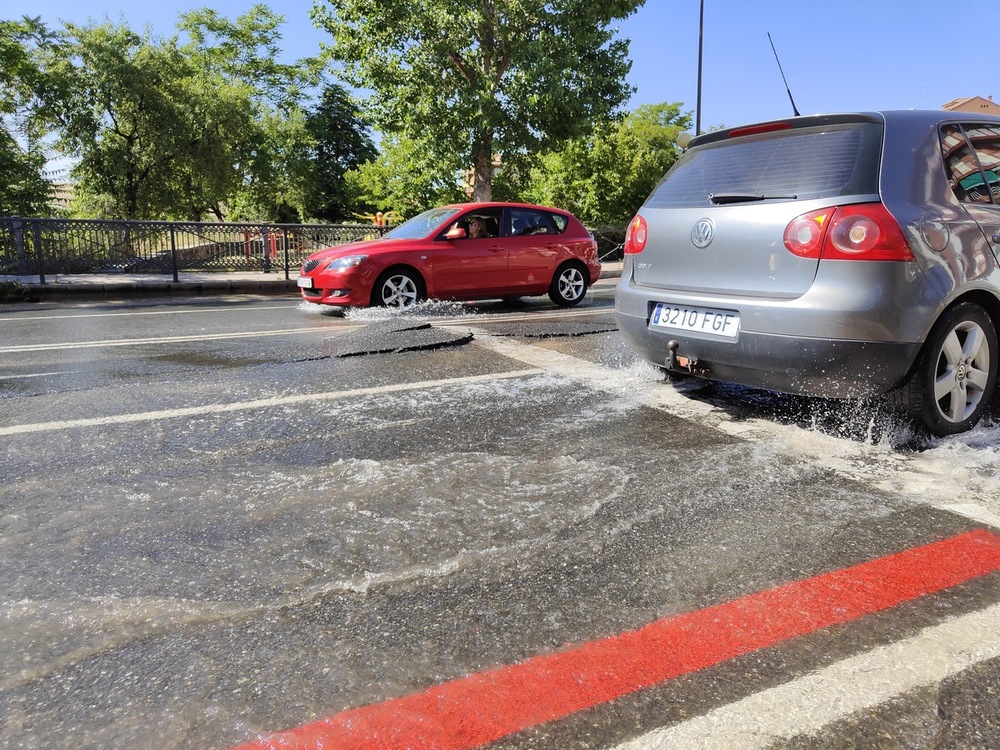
[(635, 237), (864, 231)]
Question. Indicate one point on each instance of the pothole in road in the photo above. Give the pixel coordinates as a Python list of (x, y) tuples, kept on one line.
[(392, 337)]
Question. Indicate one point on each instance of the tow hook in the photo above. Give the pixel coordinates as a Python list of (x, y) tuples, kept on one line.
[(678, 363)]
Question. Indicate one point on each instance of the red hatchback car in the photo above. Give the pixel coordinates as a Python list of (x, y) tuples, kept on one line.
[(460, 252)]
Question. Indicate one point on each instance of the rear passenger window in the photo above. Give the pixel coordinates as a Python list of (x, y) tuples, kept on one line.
[(527, 221), (972, 158), (818, 162)]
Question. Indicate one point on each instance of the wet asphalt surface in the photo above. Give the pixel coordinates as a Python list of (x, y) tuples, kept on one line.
[(227, 517)]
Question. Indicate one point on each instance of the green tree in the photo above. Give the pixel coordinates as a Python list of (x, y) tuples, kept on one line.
[(23, 190), (604, 177), (405, 178), (258, 107), (339, 143), (122, 115), (164, 130), (479, 78)]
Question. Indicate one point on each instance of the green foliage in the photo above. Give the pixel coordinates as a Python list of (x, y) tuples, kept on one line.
[(210, 124), (405, 178), (23, 189), (164, 130), (13, 291), (250, 127), (604, 177), (339, 142), (478, 78), (121, 114)]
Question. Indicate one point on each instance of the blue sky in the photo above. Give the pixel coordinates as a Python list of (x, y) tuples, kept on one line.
[(843, 56)]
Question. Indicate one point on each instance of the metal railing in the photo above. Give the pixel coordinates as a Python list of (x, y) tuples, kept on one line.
[(610, 241), (40, 247)]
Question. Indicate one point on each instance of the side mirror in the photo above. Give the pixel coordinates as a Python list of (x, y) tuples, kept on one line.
[(456, 233)]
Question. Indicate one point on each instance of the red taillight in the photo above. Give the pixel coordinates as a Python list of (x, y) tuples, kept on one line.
[(804, 235), (865, 231), (635, 237)]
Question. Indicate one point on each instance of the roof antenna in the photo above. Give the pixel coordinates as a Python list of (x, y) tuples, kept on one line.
[(795, 110)]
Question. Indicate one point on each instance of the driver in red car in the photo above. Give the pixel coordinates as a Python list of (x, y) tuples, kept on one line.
[(477, 228)]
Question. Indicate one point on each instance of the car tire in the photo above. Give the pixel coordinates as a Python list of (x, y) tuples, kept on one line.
[(569, 285), (952, 384), (398, 287)]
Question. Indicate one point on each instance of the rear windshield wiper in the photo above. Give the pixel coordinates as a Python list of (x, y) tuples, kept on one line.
[(720, 199)]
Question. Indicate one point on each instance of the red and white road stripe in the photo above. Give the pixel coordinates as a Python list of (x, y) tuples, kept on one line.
[(474, 710)]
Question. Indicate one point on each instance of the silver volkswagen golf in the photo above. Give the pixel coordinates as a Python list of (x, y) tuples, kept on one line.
[(837, 256)]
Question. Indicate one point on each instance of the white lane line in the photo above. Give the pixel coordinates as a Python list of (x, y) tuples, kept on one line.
[(264, 403), (874, 464), (107, 343), (131, 313), (970, 510), (36, 375), (806, 705), (164, 340)]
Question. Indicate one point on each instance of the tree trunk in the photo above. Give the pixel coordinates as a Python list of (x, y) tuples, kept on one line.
[(482, 178)]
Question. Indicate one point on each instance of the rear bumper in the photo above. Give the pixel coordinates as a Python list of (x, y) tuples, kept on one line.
[(838, 340), (810, 367)]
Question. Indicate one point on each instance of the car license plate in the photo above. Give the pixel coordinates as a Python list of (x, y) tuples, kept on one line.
[(305, 282), (696, 320)]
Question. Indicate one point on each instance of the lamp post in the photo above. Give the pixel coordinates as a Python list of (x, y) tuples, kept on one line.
[(701, 29)]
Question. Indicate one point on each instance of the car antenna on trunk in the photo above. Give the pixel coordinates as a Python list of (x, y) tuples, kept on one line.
[(795, 110)]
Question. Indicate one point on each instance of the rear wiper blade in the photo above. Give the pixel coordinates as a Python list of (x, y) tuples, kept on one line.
[(720, 199)]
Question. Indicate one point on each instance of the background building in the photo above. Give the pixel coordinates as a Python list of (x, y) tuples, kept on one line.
[(973, 104)]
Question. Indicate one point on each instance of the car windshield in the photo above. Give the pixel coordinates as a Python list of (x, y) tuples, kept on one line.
[(422, 224), (803, 163)]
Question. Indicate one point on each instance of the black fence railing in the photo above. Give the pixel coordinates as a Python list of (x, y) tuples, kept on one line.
[(40, 247), (610, 241)]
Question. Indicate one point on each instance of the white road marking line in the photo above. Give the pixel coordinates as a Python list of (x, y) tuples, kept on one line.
[(970, 510), (446, 322), (264, 403), (130, 313), (163, 340), (841, 456), (807, 704), (36, 375)]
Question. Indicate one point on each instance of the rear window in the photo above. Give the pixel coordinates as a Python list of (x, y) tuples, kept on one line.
[(819, 162)]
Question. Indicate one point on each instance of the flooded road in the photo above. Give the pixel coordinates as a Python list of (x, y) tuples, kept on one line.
[(249, 520)]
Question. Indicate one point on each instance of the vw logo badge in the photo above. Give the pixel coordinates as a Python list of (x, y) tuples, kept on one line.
[(702, 233)]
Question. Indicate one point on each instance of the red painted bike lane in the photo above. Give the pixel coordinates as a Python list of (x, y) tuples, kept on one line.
[(480, 708)]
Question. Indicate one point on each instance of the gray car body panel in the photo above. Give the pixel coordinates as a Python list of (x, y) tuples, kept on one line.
[(829, 328)]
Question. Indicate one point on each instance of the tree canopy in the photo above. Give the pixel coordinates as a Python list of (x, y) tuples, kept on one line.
[(208, 123), (164, 130), (211, 123), (338, 145), (23, 189), (605, 176), (481, 78), (405, 178)]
